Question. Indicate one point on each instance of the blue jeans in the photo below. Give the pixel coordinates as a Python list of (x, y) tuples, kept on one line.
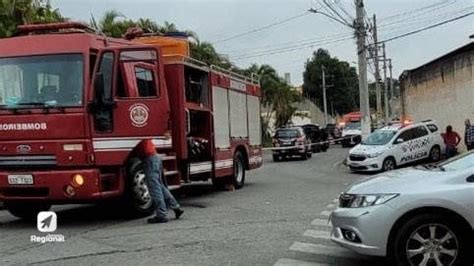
[(161, 196)]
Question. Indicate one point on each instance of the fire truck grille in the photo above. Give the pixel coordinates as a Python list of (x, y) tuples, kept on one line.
[(27, 161)]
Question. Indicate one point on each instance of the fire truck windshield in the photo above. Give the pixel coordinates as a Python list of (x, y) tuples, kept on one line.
[(41, 81)]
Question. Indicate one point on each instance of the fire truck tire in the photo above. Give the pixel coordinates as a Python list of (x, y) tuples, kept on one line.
[(26, 210), (137, 196), (238, 177)]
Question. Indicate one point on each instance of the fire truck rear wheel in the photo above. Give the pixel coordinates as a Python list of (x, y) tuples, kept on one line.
[(26, 210), (238, 177), (138, 196)]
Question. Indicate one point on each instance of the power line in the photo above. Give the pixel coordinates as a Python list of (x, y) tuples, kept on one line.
[(278, 45), (293, 49), (314, 42), (427, 28), (442, 4), (334, 11), (421, 16), (262, 28)]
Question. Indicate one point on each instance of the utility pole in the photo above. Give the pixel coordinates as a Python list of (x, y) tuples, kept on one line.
[(392, 93), (324, 97), (378, 93), (361, 51), (385, 87)]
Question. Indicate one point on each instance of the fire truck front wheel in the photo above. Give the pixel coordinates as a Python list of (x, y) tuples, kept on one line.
[(26, 210), (138, 196), (238, 177)]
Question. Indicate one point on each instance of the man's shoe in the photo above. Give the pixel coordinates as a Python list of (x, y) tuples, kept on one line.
[(157, 220), (178, 213)]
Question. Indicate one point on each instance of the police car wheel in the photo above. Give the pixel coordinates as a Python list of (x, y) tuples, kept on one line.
[(435, 154), (25, 210), (389, 165)]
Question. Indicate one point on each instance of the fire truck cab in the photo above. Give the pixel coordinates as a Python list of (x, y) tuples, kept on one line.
[(75, 104)]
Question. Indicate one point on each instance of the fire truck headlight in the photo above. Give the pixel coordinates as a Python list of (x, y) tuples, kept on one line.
[(73, 147), (77, 180)]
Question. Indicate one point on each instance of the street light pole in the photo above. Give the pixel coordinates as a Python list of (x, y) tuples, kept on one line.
[(363, 86)]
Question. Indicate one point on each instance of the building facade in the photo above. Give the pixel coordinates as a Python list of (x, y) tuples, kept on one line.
[(442, 89)]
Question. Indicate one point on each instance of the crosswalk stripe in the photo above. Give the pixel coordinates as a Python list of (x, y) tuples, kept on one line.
[(325, 213), (318, 249), (321, 222), (283, 262), (317, 234)]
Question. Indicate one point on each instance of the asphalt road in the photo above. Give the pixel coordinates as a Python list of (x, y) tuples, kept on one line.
[(279, 217)]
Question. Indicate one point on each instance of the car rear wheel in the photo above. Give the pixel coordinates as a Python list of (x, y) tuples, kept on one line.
[(435, 154), (389, 165), (276, 158), (431, 239)]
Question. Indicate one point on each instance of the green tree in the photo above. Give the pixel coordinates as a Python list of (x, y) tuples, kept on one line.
[(278, 98), (14, 13), (343, 89)]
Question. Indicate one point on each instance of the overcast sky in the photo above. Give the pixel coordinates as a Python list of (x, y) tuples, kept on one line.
[(217, 20)]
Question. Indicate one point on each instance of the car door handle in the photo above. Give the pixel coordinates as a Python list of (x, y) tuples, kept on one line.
[(470, 179)]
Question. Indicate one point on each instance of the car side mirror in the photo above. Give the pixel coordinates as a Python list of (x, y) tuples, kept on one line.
[(398, 141)]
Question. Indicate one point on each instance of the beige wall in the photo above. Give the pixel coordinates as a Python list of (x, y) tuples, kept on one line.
[(443, 91)]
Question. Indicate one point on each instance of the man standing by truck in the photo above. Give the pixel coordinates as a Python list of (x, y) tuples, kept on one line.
[(161, 196)]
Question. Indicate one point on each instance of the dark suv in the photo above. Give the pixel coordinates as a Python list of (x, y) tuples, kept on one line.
[(317, 137), (289, 142)]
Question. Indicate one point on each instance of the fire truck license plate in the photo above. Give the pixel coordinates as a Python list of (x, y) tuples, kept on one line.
[(20, 179)]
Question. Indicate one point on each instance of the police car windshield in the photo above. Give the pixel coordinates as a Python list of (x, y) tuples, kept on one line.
[(380, 137), (41, 81), (286, 133)]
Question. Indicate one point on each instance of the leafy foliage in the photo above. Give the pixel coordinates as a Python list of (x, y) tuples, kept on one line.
[(341, 80), (13, 13)]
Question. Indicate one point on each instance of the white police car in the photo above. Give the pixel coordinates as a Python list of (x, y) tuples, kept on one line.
[(396, 145)]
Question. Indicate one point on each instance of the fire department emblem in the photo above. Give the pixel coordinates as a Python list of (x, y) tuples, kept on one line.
[(139, 115)]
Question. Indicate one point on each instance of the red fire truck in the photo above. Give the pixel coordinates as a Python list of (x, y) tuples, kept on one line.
[(74, 105)]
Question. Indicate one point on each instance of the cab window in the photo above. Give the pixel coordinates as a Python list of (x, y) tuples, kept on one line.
[(145, 82)]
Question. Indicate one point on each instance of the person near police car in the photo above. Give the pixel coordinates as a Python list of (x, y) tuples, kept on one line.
[(161, 196), (469, 135), (451, 139)]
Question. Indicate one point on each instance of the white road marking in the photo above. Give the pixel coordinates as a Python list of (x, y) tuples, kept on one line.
[(283, 262), (325, 213), (331, 206), (335, 200), (321, 222), (332, 251), (317, 234)]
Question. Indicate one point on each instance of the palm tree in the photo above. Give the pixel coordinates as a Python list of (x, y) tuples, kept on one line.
[(148, 26)]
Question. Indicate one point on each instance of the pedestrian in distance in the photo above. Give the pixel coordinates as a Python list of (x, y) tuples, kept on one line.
[(469, 135), (161, 196), (451, 139)]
